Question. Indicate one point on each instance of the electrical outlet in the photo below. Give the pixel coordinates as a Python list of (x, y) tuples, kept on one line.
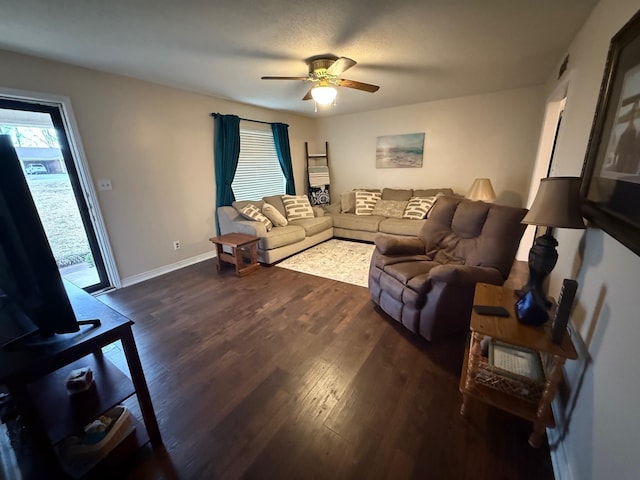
[(104, 184), (176, 245)]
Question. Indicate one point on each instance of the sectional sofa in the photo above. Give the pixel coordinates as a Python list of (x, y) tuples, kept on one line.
[(347, 224), (337, 220)]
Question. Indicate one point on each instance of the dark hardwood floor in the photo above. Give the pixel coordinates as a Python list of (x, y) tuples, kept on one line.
[(282, 375)]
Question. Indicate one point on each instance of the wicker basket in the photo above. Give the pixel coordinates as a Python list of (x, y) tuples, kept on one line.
[(507, 382)]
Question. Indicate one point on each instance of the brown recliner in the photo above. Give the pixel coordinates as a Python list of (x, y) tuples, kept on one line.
[(427, 282)]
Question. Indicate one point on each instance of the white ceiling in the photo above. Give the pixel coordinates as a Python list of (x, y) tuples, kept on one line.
[(416, 50)]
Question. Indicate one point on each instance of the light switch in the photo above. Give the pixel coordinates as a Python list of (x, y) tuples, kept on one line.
[(104, 184)]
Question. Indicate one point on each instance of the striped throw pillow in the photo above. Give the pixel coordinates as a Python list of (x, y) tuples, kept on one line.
[(366, 201), (297, 206), (418, 207), (251, 212)]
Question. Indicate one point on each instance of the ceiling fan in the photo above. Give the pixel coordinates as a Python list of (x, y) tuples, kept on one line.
[(324, 72)]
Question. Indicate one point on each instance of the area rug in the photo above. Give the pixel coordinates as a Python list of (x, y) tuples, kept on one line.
[(335, 259)]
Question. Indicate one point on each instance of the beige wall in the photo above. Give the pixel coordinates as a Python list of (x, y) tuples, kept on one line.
[(156, 145), (493, 135), (602, 434)]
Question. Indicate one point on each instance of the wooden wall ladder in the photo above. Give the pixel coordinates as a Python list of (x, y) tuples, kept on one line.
[(318, 179)]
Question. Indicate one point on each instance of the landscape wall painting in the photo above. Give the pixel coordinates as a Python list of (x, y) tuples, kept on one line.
[(400, 151)]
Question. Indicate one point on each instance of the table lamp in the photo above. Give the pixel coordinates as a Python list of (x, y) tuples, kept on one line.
[(482, 190), (557, 205)]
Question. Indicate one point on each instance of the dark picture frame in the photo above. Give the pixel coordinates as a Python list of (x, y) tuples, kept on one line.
[(610, 191)]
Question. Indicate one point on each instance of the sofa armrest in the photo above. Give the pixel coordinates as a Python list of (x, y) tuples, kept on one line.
[(463, 275), (397, 245), (249, 227), (231, 221)]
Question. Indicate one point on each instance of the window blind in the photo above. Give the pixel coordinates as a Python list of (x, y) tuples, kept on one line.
[(259, 173)]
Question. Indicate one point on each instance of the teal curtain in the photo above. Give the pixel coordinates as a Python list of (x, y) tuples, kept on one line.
[(281, 139), (226, 150)]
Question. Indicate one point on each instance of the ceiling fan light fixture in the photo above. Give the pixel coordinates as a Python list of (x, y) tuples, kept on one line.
[(323, 94)]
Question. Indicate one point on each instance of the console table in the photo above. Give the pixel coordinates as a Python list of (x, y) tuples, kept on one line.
[(479, 381), (35, 377)]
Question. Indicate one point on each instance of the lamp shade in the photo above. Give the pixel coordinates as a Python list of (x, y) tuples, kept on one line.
[(323, 93), (557, 204), (481, 190)]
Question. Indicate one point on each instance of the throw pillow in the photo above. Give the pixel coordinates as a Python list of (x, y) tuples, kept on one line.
[(366, 201), (418, 208), (273, 214), (250, 212), (389, 208), (297, 206)]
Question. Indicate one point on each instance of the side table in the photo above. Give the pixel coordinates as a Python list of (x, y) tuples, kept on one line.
[(244, 252), (476, 372)]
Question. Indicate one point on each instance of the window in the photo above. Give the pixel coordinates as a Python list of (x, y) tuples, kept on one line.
[(259, 173)]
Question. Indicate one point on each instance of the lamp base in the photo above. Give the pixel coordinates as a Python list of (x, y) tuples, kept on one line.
[(542, 258)]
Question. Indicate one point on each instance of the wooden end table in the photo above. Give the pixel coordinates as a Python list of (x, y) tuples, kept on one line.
[(473, 381), (244, 252)]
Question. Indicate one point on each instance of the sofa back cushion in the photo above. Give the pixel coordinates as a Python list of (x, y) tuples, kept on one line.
[(402, 195), (297, 206), (240, 204), (473, 233), (276, 201), (430, 192), (366, 201), (348, 202)]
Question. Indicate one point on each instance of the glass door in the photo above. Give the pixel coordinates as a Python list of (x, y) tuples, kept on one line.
[(42, 144)]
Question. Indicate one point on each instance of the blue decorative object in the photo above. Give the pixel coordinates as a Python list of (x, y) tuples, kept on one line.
[(531, 311)]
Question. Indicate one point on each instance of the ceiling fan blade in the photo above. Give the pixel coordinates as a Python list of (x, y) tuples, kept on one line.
[(340, 65), (284, 78), (366, 87), (308, 95)]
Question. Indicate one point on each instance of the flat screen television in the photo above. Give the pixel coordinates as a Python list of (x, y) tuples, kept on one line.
[(33, 299)]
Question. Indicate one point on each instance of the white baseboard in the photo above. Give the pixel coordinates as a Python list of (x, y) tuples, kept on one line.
[(156, 272), (559, 460)]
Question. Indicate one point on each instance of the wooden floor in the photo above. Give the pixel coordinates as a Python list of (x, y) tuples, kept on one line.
[(282, 375)]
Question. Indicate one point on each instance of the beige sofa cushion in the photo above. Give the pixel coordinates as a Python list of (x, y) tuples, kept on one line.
[(281, 236), (397, 194), (276, 201), (351, 221), (240, 204), (313, 226), (348, 202), (430, 192)]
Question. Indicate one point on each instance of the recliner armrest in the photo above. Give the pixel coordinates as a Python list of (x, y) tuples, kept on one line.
[(397, 245), (464, 275)]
